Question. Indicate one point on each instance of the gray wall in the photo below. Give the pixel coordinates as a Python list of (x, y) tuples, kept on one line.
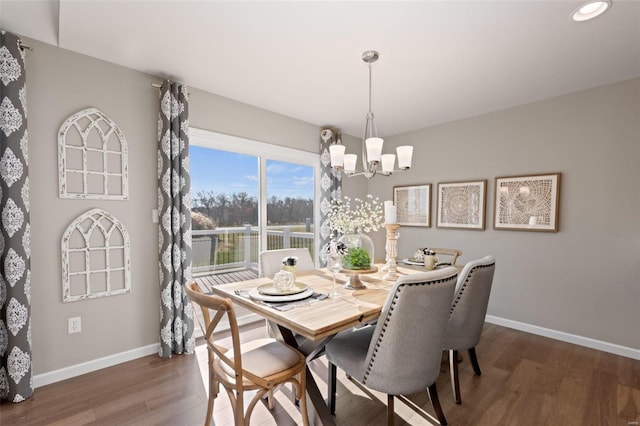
[(583, 280), (60, 83)]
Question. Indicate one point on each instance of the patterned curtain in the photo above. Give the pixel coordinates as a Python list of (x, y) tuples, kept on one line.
[(330, 185), (15, 256), (174, 209)]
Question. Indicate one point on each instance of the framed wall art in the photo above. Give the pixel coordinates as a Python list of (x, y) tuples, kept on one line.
[(95, 257), (527, 203), (462, 204), (92, 158), (413, 204)]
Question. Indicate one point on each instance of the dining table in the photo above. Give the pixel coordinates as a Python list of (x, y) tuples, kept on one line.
[(308, 325)]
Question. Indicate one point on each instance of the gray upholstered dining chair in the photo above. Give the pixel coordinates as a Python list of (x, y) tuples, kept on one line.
[(271, 260), (401, 354), (467, 316), (260, 365)]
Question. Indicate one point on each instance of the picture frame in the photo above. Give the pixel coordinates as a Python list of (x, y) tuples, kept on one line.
[(527, 202), (462, 205), (413, 204)]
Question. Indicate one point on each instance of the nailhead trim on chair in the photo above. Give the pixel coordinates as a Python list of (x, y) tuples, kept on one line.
[(464, 286), (388, 318)]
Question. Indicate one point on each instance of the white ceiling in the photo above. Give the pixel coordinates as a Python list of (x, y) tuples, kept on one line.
[(439, 61)]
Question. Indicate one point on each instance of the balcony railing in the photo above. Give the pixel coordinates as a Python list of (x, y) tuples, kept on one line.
[(238, 247)]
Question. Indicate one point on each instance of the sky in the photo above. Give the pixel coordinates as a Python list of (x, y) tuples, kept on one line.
[(222, 171)]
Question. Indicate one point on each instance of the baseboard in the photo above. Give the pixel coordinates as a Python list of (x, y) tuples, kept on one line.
[(111, 360), (566, 337), (93, 365)]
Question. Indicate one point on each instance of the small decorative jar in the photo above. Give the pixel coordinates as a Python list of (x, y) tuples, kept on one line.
[(283, 281), (289, 264), (429, 258)]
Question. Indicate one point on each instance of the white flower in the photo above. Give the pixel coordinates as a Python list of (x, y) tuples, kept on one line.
[(364, 216)]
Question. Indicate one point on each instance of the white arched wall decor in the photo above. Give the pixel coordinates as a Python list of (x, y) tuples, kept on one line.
[(92, 157), (95, 257)]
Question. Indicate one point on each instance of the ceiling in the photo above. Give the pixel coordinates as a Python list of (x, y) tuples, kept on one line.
[(439, 61)]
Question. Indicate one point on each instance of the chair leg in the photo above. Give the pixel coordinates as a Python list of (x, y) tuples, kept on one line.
[(270, 400), (331, 383), (213, 391), (240, 418), (390, 410), (474, 361), (303, 398), (433, 396), (455, 379), (209, 420)]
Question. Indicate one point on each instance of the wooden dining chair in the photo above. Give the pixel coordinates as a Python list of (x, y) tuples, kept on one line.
[(452, 253), (259, 365), (467, 315), (271, 260), (401, 354)]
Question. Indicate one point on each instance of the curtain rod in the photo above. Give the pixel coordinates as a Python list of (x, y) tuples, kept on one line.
[(23, 46), (159, 86)]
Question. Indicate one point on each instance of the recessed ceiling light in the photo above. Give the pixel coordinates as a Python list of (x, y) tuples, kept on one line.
[(590, 10)]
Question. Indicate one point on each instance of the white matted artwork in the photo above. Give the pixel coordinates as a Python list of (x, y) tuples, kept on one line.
[(92, 157), (527, 203), (413, 204), (95, 257), (461, 204)]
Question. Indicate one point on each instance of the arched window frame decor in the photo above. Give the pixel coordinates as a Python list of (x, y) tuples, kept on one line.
[(86, 224), (95, 118)]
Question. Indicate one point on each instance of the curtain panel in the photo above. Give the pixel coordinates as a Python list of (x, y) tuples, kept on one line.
[(174, 210), (330, 185), (15, 256)]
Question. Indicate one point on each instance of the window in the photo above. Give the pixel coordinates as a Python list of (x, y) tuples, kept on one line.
[(249, 196)]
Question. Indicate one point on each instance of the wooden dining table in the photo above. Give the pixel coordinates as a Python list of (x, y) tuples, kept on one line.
[(310, 326)]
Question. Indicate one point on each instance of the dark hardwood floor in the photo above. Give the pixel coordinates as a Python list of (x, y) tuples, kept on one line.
[(526, 380)]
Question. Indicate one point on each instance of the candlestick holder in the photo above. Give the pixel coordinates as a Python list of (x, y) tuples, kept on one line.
[(391, 247)]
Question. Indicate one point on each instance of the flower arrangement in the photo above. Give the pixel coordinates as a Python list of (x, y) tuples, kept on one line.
[(364, 216)]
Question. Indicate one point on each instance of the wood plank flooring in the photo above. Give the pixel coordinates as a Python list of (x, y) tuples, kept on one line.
[(526, 380)]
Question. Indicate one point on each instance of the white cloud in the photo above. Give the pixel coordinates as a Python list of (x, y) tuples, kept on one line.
[(299, 181)]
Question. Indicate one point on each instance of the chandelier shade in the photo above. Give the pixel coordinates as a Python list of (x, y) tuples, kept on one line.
[(373, 160)]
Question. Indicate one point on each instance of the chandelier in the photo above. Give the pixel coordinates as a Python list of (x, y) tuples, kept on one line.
[(373, 160)]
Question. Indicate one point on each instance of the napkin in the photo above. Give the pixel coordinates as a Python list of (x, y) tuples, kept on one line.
[(285, 306)]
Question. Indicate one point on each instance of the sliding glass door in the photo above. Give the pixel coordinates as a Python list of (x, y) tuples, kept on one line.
[(249, 196)]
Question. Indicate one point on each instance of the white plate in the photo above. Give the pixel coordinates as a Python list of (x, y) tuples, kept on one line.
[(412, 262), (270, 290), (255, 294)]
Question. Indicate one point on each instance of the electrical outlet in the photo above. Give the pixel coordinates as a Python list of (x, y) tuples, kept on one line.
[(75, 325)]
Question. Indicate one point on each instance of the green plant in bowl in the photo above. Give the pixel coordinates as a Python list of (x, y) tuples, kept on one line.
[(356, 258)]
